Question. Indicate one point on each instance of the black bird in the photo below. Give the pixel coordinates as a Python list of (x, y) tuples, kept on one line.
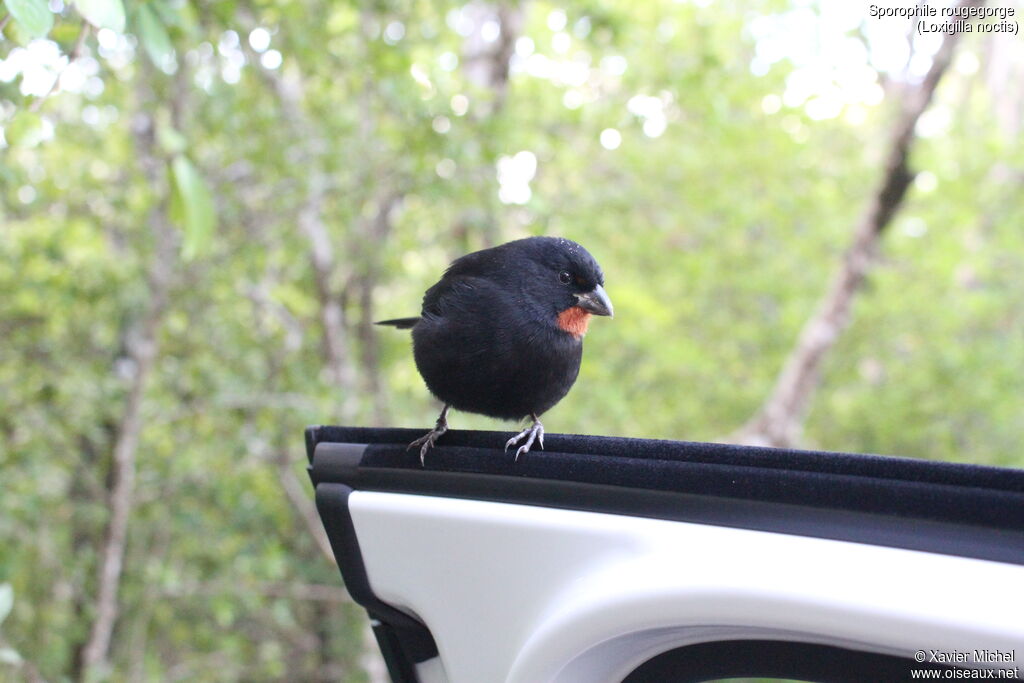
[(501, 333)]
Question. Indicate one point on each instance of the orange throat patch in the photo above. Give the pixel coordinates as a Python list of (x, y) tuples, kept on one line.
[(574, 321)]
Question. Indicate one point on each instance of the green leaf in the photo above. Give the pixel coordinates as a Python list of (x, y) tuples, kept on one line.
[(16, 32), (154, 36), (6, 600), (25, 129), (65, 34), (33, 15), (193, 207), (171, 141), (170, 16), (103, 13)]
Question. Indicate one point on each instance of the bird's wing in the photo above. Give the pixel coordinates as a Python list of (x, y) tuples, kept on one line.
[(453, 291), (467, 273)]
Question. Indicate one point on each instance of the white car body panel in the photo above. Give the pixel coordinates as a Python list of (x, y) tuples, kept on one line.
[(525, 594)]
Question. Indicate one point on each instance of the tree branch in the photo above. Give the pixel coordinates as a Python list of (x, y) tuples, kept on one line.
[(486, 62), (336, 349), (779, 421), (376, 234), (75, 53), (142, 350), (296, 492)]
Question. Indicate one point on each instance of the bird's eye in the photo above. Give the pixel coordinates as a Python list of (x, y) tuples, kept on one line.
[(564, 277)]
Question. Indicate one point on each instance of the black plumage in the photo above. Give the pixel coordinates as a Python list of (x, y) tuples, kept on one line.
[(501, 333)]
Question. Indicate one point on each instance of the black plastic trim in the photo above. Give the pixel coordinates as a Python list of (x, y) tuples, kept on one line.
[(398, 647), (934, 517), (777, 659), (402, 639)]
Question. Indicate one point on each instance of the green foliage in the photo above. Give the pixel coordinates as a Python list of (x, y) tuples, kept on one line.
[(24, 129), (33, 15), (153, 35), (246, 123), (192, 206), (102, 13)]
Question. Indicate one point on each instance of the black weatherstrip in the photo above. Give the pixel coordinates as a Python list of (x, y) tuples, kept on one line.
[(402, 639), (785, 660), (946, 508)]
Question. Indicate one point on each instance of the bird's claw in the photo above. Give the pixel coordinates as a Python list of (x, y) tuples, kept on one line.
[(427, 441), (534, 432)]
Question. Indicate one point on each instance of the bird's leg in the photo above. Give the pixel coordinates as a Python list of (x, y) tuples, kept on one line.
[(427, 441), (531, 433)]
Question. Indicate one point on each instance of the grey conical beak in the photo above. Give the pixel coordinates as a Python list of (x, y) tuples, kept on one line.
[(596, 301)]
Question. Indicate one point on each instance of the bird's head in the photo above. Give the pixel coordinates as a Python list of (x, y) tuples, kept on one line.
[(565, 283)]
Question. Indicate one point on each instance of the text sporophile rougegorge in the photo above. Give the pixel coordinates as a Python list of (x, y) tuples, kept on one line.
[(955, 19)]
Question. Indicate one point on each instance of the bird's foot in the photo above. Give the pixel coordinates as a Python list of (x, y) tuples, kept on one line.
[(534, 432), (427, 441)]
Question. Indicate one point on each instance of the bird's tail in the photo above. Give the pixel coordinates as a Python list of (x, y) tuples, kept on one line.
[(400, 323)]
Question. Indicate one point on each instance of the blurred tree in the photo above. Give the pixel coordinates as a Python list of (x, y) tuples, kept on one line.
[(779, 421)]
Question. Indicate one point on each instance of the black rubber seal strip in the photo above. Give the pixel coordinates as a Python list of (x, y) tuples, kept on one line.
[(780, 659), (829, 462), (398, 648), (932, 517), (402, 639)]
